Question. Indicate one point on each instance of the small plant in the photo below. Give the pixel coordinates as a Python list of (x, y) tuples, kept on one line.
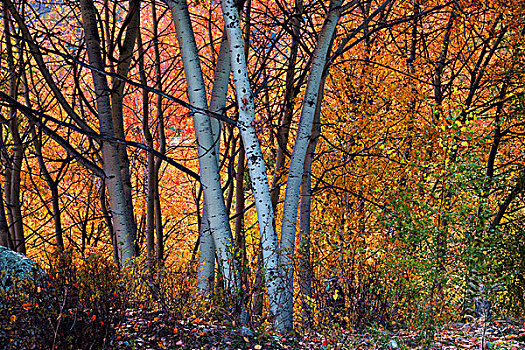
[(481, 295)]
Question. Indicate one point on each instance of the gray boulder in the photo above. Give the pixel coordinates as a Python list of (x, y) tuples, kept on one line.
[(17, 269)]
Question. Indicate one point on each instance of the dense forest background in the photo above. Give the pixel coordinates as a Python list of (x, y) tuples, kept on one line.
[(284, 163)]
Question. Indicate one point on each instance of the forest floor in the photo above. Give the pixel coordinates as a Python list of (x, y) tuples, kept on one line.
[(153, 330)]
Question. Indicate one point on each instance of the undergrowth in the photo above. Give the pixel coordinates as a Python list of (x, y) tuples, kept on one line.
[(79, 305), (83, 300)]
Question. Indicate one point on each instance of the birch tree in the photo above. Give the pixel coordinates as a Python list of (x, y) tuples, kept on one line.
[(126, 49), (254, 156), (217, 105), (305, 269), (278, 265), (121, 209), (210, 178), (302, 140)]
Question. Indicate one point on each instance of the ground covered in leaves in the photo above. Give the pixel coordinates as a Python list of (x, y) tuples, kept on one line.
[(142, 329)]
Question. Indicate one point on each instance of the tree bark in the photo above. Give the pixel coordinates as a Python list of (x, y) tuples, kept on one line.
[(126, 50), (283, 131), (120, 207), (14, 168), (151, 176), (295, 174), (109, 221), (210, 178), (305, 265), (159, 228), (254, 156), (240, 239), (53, 187), (4, 228), (217, 105)]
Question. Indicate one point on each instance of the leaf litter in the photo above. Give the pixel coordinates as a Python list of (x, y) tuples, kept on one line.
[(159, 330)]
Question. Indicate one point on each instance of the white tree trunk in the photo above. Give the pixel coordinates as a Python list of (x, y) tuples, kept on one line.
[(291, 201), (118, 201), (254, 156), (210, 178), (217, 105), (304, 263), (126, 50)]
